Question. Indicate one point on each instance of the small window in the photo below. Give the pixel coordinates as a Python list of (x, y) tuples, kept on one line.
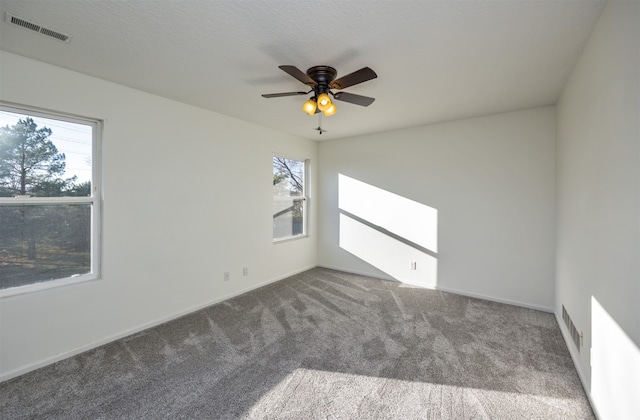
[(289, 198), (49, 200)]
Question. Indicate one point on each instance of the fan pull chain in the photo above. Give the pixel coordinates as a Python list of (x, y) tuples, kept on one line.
[(320, 130)]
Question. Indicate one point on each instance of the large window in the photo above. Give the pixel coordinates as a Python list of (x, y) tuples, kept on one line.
[(289, 198), (49, 199)]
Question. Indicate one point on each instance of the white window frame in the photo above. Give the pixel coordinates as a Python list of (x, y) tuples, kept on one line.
[(304, 198), (95, 200)]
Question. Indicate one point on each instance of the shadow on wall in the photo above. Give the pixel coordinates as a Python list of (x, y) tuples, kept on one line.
[(392, 233)]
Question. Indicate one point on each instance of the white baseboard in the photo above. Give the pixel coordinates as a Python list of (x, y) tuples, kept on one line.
[(360, 273), (574, 358), (50, 360), (449, 290), (496, 299)]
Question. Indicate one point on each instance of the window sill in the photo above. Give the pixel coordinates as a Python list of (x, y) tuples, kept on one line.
[(290, 238), (46, 285)]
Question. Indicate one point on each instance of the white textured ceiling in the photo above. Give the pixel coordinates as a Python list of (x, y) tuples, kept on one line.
[(436, 60)]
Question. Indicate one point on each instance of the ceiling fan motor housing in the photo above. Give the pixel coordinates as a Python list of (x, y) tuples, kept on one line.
[(322, 75)]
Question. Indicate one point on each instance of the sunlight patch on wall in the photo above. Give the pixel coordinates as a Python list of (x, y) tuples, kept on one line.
[(388, 254), (615, 367), (409, 219), (392, 233)]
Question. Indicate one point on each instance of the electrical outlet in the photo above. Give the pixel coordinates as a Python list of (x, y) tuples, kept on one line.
[(226, 276), (414, 265), (245, 271)]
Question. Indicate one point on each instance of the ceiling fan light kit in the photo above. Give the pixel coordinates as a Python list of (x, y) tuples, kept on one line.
[(321, 79)]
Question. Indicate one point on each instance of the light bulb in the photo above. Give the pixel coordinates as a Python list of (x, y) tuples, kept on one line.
[(330, 111), (309, 107), (324, 102)]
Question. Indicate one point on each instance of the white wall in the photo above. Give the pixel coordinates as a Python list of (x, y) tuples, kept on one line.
[(598, 252), (187, 196), (492, 182)]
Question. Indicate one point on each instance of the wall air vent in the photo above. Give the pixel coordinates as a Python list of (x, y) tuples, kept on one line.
[(15, 20), (575, 335)]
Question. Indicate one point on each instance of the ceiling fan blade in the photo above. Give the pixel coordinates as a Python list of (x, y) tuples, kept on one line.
[(298, 74), (352, 98), (354, 78), (278, 95)]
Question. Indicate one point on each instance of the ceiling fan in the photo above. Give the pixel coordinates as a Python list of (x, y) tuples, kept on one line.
[(321, 80)]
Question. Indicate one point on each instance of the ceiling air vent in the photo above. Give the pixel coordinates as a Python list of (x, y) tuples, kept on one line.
[(9, 18)]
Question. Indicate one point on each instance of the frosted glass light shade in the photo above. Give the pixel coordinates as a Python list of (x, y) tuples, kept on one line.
[(330, 111), (309, 107), (324, 102)]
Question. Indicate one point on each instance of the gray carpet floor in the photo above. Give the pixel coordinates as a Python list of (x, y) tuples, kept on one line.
[(320, 345)]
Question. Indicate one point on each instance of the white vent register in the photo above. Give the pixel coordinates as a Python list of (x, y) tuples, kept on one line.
[(15, 20)]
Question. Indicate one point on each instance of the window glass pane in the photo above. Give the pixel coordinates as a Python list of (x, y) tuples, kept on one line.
[(288, 177), (40, 243), (288, 218), (43, 157), (289, 195)]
